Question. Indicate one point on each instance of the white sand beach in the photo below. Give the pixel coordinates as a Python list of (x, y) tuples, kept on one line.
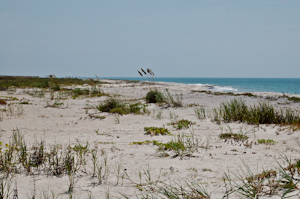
[(142, 169)]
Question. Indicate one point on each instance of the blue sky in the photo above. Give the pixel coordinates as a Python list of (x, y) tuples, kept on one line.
[(114, 38)]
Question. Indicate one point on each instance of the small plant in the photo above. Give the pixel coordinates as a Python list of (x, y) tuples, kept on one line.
[(267, 142), (170, 101), (156, 131), (200, 113), (180, 145), (159, 115), (117, 118), (97, 117), (182, 124), (55, 104), (2, 102), (141, 143)]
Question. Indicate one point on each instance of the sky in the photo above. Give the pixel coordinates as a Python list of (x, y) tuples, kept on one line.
[(174, 38)]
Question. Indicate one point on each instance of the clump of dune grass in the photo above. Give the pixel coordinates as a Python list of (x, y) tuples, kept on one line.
[(200, 113), (279, 182), (113, 105), (180, 145), (261, 113), (178, 190)]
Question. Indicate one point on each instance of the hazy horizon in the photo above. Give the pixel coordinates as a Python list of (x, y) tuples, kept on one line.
[(205, 39)]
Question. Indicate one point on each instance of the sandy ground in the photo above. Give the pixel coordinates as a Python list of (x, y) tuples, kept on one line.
[(70, 125)]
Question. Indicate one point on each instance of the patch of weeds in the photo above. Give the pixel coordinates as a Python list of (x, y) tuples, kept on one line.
[(156, 131), (250, 185), (225, 93), (117, 118), (206, 169), (200, 113), (178, 190), (182, 124), (180, 145), (171, 101), (229, 135), (97, 117), (113, 105), (159, 115), (141, 143), (294, 99), (267, 142), (263, 113), (106, 142), (15, 110), (234, 136), (55, 104), (192, 105)]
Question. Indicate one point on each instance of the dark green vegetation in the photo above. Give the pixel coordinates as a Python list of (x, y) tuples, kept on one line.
[(29, 81), (156, 131), (93, 92), (50, 82), (234, 136), (154, 96), (225, 93), (262, 113), (294, 99), (113, 105), (181, 124)]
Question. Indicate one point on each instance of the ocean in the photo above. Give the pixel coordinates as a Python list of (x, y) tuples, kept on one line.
[(278, 85)]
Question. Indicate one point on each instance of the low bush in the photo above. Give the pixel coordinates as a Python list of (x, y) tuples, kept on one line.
[(154, 96), (113, 105)]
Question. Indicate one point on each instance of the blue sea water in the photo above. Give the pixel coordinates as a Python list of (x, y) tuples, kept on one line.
[(279, 85)]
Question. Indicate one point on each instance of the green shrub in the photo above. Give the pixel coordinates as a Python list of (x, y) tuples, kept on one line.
[(154, 96), (108, 105), (113, 105)]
